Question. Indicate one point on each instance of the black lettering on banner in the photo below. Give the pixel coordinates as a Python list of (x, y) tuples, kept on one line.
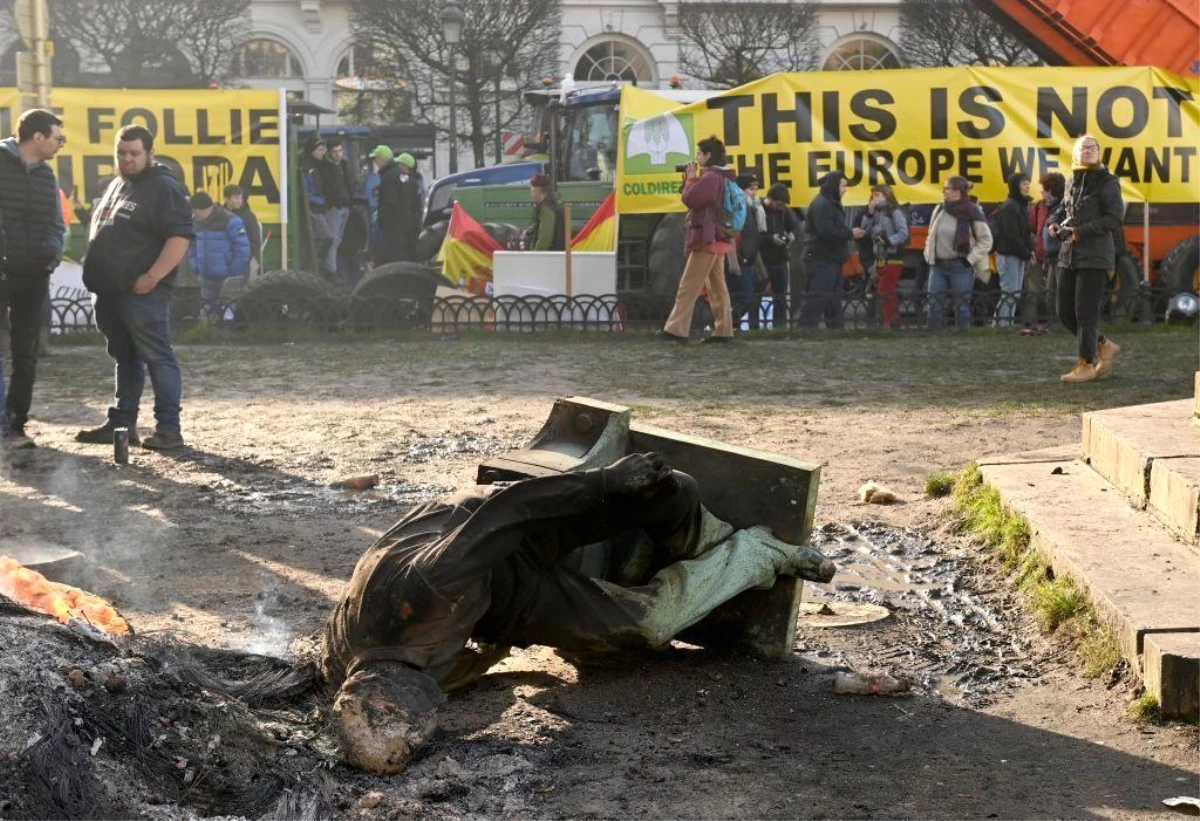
[(1186, 154), (1048, 159), (879, 163), (97, 173), (747, 163), (65, 171), (940, 159), (831, 116), (910, 166), (939, 117), (202, 135), (773, 117), (861, 105), (170, 135), (818, 166), (779, 165), (1016, 161), (969, 104), (852, 166), (1125, 166), (970, 161), (1158, 163), (96, 124), (235, 126), (1174, 97), (258, 181), (1140, 117), (264, 126), (145, 115), (728, 105), (211, 174), (1051, 107)]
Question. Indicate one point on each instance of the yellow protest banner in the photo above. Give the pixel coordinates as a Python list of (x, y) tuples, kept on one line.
[(913, 128), (209, 137)]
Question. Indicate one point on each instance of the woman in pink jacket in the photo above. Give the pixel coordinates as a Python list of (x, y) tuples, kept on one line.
[(707, 246)]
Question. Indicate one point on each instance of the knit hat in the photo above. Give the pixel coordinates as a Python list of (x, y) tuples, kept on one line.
[(746, 180), (407, 159), (540, 181), (201, 200), (381, 151)]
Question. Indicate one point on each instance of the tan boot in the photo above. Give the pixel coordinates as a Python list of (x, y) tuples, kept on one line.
[(1106, 352), (1083, 371)]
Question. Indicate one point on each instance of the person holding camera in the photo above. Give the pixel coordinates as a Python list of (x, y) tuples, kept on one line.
[(883, 228), (782, 228), (1085, 222), (708, 243)]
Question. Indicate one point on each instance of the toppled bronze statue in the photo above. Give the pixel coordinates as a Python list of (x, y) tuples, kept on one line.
[(444, 593)]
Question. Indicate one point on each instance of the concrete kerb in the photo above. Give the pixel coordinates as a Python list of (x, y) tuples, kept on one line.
[(1139, 580)]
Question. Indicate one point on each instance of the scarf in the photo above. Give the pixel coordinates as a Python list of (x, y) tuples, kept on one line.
[(760, 215), (965, 212)]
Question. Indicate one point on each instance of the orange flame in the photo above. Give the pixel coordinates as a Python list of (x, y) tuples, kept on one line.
[(60, 601)]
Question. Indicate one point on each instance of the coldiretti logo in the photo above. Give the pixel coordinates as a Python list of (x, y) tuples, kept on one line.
[(656, 145)]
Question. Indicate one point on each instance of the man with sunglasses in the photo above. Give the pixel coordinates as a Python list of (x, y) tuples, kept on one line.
[(33, 228)]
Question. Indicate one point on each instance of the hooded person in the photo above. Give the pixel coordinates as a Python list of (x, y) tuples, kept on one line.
[(140, 231), (1085, 222), (1014, 246), (743, 279), (708, 242), (956, 247), (826, 249), (399, 212)]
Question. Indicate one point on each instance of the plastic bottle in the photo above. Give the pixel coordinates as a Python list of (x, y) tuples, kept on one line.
[(869, 685)]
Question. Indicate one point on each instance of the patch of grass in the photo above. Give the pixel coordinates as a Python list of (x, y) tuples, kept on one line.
[(1057, 604), (939, 484), (1145, 709)]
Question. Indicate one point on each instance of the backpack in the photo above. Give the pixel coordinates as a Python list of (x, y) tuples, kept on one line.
[(731, 214)]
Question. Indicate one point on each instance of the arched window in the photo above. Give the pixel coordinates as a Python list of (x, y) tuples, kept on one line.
[(359, 61), (614, 60), (266, 58), (861, 53)]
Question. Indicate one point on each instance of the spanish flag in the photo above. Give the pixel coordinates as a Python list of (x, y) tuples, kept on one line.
[(466, 252), (600, 233)]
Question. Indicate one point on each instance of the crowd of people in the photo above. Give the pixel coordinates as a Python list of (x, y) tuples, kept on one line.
[(357, 223), (1067, 244)]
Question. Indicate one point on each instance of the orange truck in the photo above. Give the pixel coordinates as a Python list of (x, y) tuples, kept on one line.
[(1164, 237)]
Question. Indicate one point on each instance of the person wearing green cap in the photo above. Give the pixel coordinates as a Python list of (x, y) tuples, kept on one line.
[(380, 155), (400, 206)]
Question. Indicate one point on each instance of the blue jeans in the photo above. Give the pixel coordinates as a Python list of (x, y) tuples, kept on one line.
[(956, 277), (137, 328), (741, 295), (1012, 281), (336, 219)]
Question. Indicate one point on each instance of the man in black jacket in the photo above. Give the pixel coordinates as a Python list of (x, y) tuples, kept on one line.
[(337, 185), (235, 203), (399, 209), (826, 250), (776, 247), (32, 218), (1013, 244), (140, 232)]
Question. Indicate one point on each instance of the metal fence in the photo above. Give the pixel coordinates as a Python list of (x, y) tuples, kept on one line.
[(608, 314)]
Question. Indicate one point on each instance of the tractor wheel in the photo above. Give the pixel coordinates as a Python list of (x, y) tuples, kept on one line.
[(398, 294), (289, 297), (1180, 269), (430, 240)]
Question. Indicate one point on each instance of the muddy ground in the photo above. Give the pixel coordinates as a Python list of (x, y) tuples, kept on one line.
[(238, 543)]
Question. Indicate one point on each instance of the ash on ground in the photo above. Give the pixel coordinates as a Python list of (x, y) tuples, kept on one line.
[(953, 630)]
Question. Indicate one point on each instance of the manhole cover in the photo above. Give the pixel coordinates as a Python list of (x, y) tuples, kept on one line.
[(840, 614)]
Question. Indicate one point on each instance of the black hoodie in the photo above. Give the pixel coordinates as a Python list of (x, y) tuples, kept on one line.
[(1010, 224), (826, 233), (130, 225)]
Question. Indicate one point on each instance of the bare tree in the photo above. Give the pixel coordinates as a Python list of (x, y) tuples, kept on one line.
[(152, 42), (506, 46), (723, 46), (957, 33)]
